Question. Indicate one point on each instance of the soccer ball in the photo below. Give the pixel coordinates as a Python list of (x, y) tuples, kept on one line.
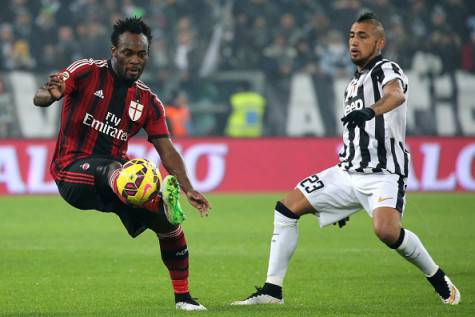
[(138, 181)]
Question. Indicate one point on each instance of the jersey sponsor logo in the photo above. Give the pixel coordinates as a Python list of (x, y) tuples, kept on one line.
[(99, 93), (381, 199), (354, 105), (135, 110), (106, 127)]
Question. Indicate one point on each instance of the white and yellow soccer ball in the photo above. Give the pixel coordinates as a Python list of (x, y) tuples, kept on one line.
[(138, 181)]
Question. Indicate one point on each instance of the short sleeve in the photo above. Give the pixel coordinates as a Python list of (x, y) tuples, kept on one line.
[(392, 71), (74, 72), (156, 124)]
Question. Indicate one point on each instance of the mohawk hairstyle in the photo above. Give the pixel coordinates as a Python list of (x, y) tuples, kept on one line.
[(133, 25), (370, 17), (367, 16)]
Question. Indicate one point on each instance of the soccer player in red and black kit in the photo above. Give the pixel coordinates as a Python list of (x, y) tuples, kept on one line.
[(104, 105)]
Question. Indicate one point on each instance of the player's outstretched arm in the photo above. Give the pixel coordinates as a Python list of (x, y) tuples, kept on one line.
[(175, 165), (50, 92), (393, 97)]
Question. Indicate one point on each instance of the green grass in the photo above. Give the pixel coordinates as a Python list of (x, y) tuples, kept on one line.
[(58, 261)]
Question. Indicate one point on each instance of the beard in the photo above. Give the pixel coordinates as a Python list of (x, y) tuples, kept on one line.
[(360, 61)]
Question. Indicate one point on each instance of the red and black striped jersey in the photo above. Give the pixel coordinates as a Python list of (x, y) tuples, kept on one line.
[(101, 112)]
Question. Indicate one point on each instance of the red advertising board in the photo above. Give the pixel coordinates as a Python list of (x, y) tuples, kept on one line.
[(251, 165)]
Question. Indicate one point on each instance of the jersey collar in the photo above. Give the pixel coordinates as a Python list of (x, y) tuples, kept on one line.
[(368, 66)]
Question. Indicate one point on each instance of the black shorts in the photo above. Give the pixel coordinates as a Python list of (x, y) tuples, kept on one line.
[(85, 189)]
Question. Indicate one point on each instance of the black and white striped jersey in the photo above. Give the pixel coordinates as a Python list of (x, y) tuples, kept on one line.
[(377, 145)]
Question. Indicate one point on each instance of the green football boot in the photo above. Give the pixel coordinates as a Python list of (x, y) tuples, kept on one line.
[(171, 200)]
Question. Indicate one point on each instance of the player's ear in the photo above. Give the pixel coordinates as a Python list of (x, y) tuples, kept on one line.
[(114, 51), (381, 43)]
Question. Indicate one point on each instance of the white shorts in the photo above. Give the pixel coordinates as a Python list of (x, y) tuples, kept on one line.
[(336, 193)]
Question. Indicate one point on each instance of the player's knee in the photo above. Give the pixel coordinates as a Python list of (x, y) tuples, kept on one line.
[(281, 208), (386, 232), (296, 203), (113, 166), (166, 230), (104, 172)]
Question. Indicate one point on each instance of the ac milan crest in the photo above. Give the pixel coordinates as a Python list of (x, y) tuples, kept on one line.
[(85, 166), (135, 110)]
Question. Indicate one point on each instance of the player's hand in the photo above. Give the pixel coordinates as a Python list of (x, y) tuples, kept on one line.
[(341, 223), (199, 201), (356, 117), (56, 85)]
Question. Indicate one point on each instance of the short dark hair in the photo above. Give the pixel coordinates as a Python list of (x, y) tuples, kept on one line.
[(133, 25)]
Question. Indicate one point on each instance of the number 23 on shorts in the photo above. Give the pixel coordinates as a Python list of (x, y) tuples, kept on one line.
[(312, 184)]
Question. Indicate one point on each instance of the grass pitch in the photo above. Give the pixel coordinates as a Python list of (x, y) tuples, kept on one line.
[(58, 261)]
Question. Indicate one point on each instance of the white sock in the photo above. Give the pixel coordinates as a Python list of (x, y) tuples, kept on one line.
[(283, 245), (413, 250)]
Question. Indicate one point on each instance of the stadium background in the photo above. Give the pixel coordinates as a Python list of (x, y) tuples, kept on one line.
[(290, 55)]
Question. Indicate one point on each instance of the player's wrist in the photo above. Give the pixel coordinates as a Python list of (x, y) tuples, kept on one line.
[(369, 112), (186, 186), (188, 191)]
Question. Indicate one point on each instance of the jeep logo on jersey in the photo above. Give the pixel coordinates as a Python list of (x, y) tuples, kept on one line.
[(355, 105), (135, 110)]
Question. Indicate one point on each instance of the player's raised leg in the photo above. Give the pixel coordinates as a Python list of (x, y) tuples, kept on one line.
[(106, 176), (387, 226), (283, 244)]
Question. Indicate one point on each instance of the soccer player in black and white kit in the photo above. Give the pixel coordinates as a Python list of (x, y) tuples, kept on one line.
[(371, 174)]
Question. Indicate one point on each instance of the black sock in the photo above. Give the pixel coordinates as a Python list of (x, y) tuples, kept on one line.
[(440, 285), (184, 297), (272, 290)]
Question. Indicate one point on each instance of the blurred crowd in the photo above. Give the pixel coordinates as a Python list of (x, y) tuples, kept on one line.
[(257, 34), (193, 39)]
